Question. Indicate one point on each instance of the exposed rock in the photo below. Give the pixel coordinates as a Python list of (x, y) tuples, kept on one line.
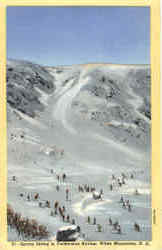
[(22, 78)]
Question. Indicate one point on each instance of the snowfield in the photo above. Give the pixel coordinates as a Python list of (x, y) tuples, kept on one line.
[(94, 127)]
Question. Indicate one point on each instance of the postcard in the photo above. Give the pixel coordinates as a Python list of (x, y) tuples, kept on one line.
[(80, 124)]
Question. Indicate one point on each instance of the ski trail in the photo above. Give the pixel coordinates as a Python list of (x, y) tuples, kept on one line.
[(63, 90), (65, 101)]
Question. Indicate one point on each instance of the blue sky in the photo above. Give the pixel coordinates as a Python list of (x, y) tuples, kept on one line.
[(73, 35)]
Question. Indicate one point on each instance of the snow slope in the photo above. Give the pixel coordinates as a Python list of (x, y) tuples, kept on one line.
[(95, 126)]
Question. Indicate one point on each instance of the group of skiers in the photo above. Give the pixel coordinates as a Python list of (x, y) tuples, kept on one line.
[(85, 188), (126, 204), (58, 177), (116, 227), (57, 210), (119, 181), (61, 210)]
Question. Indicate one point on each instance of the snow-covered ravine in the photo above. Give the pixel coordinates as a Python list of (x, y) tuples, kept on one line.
[(90, 156)]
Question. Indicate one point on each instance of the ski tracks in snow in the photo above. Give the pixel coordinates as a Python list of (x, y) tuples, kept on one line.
[(65, 100)]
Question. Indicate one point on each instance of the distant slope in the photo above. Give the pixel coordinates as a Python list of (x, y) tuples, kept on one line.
[(118, 97), (25, 81)]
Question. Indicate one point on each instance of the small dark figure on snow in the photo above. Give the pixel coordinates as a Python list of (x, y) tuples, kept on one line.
[(60, 211), (121, 199), (64, 177), (127, 202), (28, 197), (56, 205), (118, 229), (115, 225), (137, 227), (36, 196), (136, 192), (99, 227), (101, 191), (48, 204), (14, 178), (129, 208), (68, 218), (73, 222), (120, 184), (67, 194), (124, 205), (40, 204), (110, 221)]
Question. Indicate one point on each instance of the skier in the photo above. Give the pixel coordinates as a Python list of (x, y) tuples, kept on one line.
[(89, 220), (129, 208), (73, 222), (137, 227), (48, 204), (136, 192), (14, 178), (115, 225), (121, 199), (131, 176), (28, 197), (68, 218), (67, 194), (124, 205), (99, 227), (64, 177), (110, 221), (101, 191), (36, 196), (118, 229)]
